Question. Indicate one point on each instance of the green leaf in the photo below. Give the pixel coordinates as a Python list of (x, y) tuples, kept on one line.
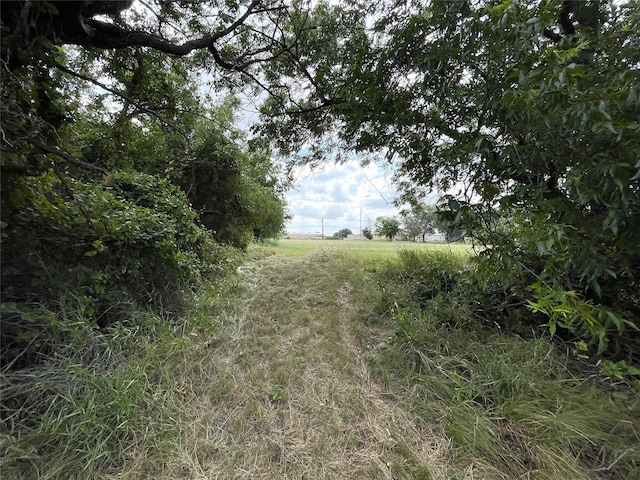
[(581, 345), (631, 370), (51, 8)]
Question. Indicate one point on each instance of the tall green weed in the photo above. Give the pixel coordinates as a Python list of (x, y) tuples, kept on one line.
[(513, 405), (100, 400)]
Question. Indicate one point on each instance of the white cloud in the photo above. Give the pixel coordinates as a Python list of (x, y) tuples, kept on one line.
[(340, 196)]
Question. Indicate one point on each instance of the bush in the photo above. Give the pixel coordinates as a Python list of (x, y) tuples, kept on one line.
[(460, 290), (424, 290), (106, 248), (417, 280)]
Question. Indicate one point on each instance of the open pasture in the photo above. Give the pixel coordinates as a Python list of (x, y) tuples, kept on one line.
[(368, 249)]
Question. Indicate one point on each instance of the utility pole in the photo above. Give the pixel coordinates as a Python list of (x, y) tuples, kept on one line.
[(360, 223), (322, 228)]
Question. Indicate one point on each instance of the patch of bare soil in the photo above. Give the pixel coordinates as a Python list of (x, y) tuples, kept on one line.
[(281, 388)]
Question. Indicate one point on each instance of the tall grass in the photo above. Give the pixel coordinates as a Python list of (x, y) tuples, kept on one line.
[(101, 400), (89, 407), (512, 407)]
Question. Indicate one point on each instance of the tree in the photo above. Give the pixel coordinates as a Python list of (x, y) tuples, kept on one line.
[(342, 233), (387, 227), (237, 36), (366, 233), (108, 143), (419, 221), (120, 50), (237, 192), (141, 61), (525, 113)]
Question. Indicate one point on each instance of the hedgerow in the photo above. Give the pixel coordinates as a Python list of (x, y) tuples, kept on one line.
[(109, 248)]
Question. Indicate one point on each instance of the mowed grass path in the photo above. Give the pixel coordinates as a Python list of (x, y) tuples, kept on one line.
[(282, 390)]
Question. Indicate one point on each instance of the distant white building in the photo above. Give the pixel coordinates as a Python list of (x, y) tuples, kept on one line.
[(436, 237)]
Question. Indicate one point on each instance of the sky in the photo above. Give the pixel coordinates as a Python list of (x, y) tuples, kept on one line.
[(333, 195), (340, 196)]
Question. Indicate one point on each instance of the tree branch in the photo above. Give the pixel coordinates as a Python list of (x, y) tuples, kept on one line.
[(551, 35), (110, 36), (23, 135), (566, 23), (64, 155), (119, 94)]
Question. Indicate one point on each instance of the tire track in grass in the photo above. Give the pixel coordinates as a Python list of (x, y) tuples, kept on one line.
[(283, 390)]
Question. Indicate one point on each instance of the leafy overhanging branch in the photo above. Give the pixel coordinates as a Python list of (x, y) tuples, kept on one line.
[(122, 95), (51, 149)]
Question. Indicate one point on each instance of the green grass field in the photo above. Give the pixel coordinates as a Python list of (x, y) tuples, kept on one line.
[(368, 249)]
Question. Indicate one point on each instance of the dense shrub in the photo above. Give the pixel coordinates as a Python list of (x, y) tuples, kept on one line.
[(106, 248), (417, 279), (454, 289), (423, 289)]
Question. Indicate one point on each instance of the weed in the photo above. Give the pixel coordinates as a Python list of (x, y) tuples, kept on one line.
[(511, 406), (76, 419), (277, 393)]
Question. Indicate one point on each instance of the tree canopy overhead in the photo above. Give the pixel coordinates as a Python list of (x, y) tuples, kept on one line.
[(216, 37), (127, 74), (236, 34)]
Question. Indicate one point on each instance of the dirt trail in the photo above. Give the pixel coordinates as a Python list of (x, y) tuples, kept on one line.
[(284, 392)]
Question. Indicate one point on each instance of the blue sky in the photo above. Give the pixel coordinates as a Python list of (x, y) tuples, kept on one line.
[(336, 195)]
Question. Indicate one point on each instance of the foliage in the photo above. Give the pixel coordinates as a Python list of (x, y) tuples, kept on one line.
[(343, 233), (239, 36), (97, 144), (568, 311), (419, 279), (387, 227), (524, 114), (419, 221), (366, 233), (509, 403), (455, 290), (101, 250), (237, 193), (130, 242)]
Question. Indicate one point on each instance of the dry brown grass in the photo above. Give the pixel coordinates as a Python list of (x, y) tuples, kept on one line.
[(281, 389)]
